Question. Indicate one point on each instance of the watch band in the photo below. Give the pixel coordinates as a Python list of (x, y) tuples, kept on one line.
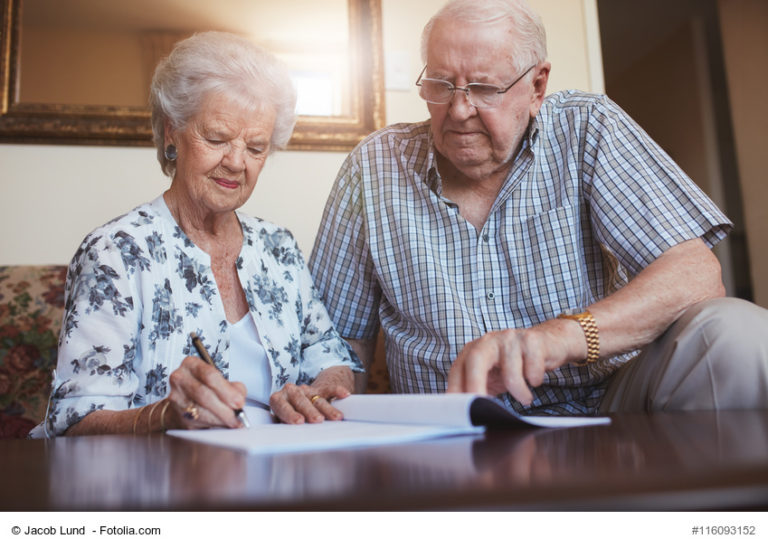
[(589, 326)]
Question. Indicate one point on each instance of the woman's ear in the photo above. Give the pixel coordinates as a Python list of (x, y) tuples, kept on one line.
[(167, 134)]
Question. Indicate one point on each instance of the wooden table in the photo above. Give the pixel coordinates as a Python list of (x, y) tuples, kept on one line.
[(686, 461)]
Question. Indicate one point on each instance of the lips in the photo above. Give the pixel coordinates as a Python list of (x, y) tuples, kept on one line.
[(227, 183), (463, 136)]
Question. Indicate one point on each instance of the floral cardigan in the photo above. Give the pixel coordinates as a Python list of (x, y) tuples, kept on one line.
[(137, 287)]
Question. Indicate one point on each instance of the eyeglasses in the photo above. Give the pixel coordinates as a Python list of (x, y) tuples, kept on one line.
[(441, 92)]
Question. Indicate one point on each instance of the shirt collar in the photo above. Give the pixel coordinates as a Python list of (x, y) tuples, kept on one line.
[(435, 182)]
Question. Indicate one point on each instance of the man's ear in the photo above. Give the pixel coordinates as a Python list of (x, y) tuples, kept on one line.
[(540, 79)]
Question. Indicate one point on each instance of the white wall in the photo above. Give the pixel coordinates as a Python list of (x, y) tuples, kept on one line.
[(51, 196)]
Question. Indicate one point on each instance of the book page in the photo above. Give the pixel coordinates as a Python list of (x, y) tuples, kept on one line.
[(438, 409), (449, 409)]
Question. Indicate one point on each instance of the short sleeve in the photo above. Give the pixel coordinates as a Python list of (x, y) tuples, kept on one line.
[(341, 265), (321, 345), (640, 202)]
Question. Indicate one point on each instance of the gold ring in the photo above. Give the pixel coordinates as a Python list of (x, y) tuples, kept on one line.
[(191, 412), (314, 398)]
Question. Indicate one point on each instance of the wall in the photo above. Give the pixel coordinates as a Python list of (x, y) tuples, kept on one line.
[(744, 28), (680, 116), (53, 195)]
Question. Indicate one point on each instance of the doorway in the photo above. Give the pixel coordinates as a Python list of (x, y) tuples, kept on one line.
[(664, 65)]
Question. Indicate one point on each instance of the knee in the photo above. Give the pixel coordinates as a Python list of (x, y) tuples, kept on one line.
[(737, 326), (736, 317), (725, 346)]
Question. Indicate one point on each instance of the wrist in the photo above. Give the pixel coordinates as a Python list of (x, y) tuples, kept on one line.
[(591, 333)]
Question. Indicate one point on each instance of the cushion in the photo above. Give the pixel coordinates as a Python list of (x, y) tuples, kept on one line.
[(31, 311)]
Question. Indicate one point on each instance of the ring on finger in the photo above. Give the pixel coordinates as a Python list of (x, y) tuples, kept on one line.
[(314, 398), (191, 412)]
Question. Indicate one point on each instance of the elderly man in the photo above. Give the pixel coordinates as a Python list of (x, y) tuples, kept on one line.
[(544, 250)]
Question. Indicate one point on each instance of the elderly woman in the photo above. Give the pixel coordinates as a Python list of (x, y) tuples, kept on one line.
[(189, 263)]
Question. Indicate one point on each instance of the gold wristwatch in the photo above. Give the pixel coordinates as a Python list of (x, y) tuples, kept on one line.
[(589, 326)]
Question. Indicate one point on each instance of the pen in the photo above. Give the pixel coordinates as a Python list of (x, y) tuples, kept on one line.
[(203, 353)]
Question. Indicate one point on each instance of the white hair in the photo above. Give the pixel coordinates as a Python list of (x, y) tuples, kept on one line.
[(530, 37), (224, 63)]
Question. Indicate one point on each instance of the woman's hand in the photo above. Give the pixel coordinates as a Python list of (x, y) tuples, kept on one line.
[(201, 397), (312, 403)]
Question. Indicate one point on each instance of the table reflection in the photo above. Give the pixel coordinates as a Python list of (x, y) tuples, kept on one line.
[(632, 453)]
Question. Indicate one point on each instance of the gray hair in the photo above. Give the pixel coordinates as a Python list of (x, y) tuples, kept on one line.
[(531, 39), (218, 62)]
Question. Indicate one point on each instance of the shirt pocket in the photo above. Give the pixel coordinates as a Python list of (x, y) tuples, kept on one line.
[(545, 259)]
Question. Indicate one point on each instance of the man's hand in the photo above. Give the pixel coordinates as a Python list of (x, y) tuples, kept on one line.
[(512, 360)]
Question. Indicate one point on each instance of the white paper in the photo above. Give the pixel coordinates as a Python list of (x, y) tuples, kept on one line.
[(375, 419), (291, 438)]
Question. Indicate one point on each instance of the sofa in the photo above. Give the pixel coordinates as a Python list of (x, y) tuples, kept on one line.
[(31, 312)]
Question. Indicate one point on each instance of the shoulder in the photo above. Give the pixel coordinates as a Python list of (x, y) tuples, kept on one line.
[(399, 148), (570, 103), (572, 99), (259, 233), (393, 138), (131, 238), (141, 219)]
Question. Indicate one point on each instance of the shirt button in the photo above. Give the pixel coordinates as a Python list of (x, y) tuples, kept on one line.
[(485, 237), (490, 295)]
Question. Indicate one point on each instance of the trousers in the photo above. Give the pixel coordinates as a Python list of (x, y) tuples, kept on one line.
[(715, 356)]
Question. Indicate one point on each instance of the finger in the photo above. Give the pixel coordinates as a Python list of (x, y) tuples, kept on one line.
[(227, 393), (533, 365), (305, 403), (512, 373), (456, 375), (283, 406), (201, 386), (210, 410), (479, 361), (326, 408), (332, 393)]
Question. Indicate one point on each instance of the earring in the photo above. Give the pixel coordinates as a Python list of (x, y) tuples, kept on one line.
[(170, 153)]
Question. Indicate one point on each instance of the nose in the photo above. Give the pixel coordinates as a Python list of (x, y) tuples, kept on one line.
[(460, 107), (234, 157)]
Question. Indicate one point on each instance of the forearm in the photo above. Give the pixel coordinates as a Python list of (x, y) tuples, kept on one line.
[(156, 417), (639, 312), (365, 350)]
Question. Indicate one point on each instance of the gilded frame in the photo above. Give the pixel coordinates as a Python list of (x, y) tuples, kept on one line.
[(130, 126)]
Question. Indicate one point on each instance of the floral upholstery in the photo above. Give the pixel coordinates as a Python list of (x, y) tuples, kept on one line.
[(31, 310)]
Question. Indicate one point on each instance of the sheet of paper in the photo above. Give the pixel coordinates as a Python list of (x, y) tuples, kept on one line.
[(435, 409), (289, 438)]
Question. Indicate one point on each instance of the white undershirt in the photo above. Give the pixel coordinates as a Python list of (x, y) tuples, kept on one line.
[(248, 362)]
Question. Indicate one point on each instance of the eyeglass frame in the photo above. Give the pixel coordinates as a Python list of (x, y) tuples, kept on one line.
[(466, 89)]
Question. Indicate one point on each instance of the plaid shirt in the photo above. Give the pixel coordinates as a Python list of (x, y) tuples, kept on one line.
[(587, 182)]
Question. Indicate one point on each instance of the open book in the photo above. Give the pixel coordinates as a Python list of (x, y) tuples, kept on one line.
[(377, 419)]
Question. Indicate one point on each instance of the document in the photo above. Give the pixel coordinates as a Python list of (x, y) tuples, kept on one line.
[(379, 419)]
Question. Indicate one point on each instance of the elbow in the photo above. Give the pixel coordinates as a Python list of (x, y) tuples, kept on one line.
[(713, 286)]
